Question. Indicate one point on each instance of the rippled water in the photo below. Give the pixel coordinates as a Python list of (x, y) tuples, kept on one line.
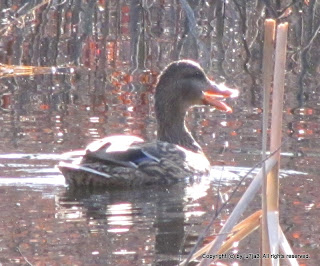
[(106, 57)]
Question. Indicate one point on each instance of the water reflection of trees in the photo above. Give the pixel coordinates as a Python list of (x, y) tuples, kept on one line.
[(119, 47)]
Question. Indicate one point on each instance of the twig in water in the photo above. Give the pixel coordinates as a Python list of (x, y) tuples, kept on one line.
[(24, 257)]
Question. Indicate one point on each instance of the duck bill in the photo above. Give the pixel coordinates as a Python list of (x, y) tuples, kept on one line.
[(215, 93)]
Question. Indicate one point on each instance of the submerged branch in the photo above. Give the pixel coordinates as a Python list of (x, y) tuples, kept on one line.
[(7, 71)]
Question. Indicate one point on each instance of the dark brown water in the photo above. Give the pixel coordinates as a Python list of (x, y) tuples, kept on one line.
[(107, 55)]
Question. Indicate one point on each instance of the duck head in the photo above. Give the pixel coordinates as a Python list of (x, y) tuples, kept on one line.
[(181, 85), (185, 84)]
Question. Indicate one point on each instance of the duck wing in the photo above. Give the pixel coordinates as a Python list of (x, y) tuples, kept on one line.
[(127, 151), (132, 157)]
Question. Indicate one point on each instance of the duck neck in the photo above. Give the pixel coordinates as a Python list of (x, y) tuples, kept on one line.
[(172, 129)]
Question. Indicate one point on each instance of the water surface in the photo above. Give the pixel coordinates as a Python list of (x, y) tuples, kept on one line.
[(106, 57)]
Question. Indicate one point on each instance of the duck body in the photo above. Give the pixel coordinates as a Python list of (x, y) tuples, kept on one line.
[(137, 164), (126, 161)]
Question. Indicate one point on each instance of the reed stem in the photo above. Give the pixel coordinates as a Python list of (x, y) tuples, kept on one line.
[(267, 71)]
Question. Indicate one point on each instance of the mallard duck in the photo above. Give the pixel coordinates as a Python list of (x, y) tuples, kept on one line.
[(125, 161)]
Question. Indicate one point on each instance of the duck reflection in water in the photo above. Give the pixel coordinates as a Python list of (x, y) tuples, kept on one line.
[(126, 161)]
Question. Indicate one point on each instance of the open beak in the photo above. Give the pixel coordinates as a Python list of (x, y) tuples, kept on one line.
[(215, 93)]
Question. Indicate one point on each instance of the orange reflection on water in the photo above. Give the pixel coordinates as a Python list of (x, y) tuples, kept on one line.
[(305, 129)]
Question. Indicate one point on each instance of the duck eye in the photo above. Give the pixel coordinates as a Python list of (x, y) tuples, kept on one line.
[(198, 75)]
